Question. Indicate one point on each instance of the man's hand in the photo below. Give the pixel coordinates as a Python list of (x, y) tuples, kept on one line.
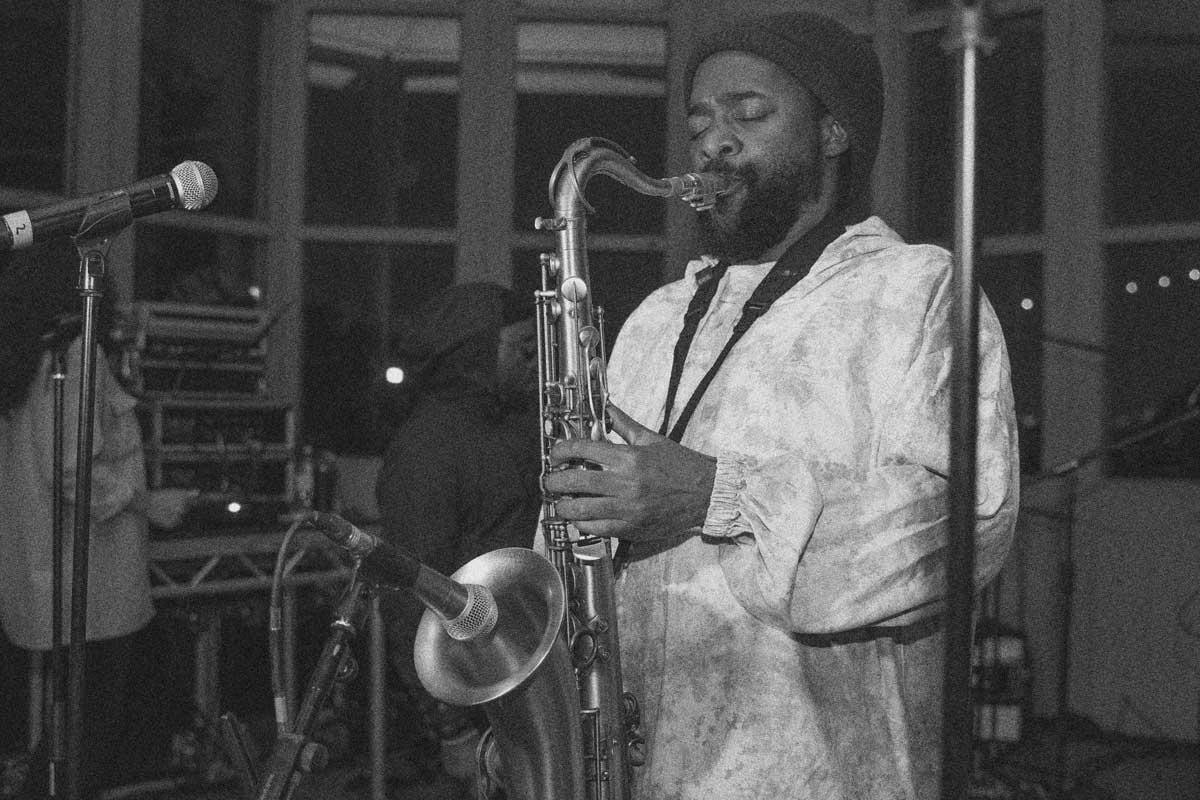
[(649, 488), (165, 507)]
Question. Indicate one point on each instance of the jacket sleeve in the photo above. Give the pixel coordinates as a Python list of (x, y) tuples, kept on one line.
[(418, 497), (817, 549)]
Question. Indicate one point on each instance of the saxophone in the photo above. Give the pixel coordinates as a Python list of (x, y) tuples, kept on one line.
[(572, 369), (548, 676)]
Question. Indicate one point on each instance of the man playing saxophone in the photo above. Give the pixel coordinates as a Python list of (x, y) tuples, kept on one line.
[(779, 486)]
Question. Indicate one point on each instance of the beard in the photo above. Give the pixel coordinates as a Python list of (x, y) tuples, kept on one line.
[(770, 204)]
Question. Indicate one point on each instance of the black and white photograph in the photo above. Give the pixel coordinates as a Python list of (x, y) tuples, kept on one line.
[(600, 400)]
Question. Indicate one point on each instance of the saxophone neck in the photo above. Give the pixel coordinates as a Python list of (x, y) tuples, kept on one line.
[(596, 156)]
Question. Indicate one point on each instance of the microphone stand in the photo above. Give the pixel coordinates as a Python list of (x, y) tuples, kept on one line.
[(1069, 470), (93, 251), (57, 670), (957, 713), (295, 754)]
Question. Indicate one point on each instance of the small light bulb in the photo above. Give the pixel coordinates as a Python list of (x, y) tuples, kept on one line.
[(394, 375)]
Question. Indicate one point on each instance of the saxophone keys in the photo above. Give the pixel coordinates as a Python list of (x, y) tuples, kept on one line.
[(574, 289)]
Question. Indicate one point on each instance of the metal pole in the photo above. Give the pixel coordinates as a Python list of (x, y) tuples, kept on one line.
[(957, 716), (378, 710), (105, 214), (91, 271)]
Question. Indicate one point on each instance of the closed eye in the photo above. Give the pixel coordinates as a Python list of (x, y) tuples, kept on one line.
[(752, 108)]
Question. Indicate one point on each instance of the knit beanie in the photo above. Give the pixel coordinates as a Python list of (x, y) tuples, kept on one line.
[(838, 66)]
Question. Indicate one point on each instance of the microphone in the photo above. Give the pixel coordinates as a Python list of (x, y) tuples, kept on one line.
[(468, 611), (191, 186)]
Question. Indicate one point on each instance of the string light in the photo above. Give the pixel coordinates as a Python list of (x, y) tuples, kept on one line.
[(1166, 281), (394, 375), (1147, 413)]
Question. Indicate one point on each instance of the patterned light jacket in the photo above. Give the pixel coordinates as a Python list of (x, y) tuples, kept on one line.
[(118, 577), (794, 648)]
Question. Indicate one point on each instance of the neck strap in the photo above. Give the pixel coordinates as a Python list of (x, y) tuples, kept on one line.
[(792, 266)]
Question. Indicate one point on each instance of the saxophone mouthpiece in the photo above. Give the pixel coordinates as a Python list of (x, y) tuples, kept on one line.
[(701, 189)]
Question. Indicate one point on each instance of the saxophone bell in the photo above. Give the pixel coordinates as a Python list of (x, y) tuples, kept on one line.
[(520, 673)]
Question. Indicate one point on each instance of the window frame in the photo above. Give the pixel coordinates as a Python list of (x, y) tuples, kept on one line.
[(105, 65)]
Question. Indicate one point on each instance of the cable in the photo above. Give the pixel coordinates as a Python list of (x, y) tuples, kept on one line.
[(274, 627)]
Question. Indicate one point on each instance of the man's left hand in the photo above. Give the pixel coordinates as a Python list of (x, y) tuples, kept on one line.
[(649, 488)]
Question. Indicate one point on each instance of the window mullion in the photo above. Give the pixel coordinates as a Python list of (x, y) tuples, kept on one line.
[(1073, 391), (284, 201), (487, 142), (889, 194), (106, 44)]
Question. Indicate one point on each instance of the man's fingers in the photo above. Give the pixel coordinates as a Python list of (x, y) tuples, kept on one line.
[(604, 528), (578, 481), (580, 450), (605, 453), (579, 509), (630, 429)]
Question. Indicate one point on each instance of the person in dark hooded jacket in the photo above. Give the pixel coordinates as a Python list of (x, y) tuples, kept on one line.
[(460, 476)]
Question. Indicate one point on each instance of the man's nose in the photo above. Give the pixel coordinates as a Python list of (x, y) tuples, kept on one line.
[(718, 142)]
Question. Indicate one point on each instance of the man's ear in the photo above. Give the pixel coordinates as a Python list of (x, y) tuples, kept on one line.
[(834, 139)]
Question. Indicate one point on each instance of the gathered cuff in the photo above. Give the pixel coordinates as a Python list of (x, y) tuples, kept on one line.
[(724, 505)]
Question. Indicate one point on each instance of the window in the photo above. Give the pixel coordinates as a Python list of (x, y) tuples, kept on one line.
[(605, 81), (1008, 177), (1013, 285), (1152, 62), (382, 120), (383, 187), (1153, 325), (381, 171), (34, 57), (1009, 131), (199, 102), (1152, 203), (355, 296)]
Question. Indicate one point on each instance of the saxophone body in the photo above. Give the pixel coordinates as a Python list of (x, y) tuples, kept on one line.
[(549, 677), (574, 396)]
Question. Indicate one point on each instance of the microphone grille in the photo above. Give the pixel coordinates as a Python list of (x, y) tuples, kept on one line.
[(478, 616), (197, 184)]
